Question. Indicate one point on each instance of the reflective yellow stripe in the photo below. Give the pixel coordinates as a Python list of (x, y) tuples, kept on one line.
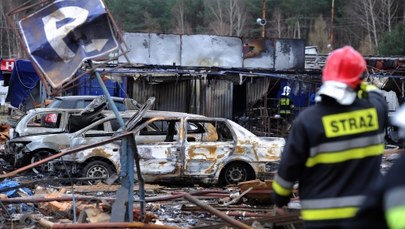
[(280, 190), (395, 217), (284, 101), (348, 123), (333, 202), (327, 214), (350, 154)]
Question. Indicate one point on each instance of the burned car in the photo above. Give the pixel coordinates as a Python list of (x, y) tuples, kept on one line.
[(77, 102), (172, 146)]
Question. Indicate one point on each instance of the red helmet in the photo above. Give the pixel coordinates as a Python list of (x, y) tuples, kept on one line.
[(344, 65)]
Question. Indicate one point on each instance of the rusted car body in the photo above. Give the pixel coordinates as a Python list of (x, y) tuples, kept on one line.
[(172, 147)]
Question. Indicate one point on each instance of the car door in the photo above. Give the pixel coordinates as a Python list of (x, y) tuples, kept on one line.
[(208, 144), (38, 131), (159, 144), (42, 122), (98, 131)]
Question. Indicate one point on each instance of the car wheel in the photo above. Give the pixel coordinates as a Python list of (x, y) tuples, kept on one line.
[(44, 168), (237, 172), (97, 169)]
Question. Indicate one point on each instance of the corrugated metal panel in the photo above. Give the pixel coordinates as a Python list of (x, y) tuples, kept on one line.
[(256, 89), (218, 96), (141, 91), (173, 96), (211, 98)]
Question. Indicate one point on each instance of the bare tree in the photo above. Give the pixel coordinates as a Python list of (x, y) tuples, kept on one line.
[(6, 38), (376, 17), (9, 43), (227, 17), (181, 25), (2, 29), (366, 13), (217, 24), (297, 29), (366, 46), (237, 17), (277, 23), (318, 35), (389, 10)]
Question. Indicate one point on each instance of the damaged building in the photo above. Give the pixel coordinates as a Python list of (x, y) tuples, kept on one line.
[(231, 77), (217, 76)]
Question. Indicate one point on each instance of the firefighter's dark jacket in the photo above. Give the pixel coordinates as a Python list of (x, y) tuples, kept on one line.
[(384, 206), (286, 105), (334, 152)]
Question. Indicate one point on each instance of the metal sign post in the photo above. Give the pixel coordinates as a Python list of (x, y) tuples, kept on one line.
[(125, 195)]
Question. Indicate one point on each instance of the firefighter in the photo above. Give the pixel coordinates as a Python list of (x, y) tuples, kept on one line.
[(384, 207), (286, 105), (335, 147), (286, 109)]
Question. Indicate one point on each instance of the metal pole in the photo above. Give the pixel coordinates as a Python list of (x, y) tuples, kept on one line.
[(331, 23), (126, 159), (264, 18), (47, 224), (216, 212), (109, 100), (141, 182)]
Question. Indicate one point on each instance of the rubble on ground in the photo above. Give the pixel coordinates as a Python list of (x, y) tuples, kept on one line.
[(55, 205)]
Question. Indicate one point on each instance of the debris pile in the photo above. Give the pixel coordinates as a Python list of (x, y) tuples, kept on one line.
[(46, 205)]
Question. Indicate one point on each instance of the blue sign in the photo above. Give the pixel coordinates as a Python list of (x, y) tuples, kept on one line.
[(60, 36)]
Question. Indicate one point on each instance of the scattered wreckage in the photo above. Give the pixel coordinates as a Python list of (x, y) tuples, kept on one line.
[(172, 146), (43, 204)]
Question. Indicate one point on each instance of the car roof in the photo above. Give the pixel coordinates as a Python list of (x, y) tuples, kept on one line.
[(155, 113), (82, 97), (128, 113)]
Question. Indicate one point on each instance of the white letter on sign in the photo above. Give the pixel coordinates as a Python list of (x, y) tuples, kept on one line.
[(9, 65), (55, 35)]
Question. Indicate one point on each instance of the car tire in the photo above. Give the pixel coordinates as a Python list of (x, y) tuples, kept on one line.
[(236, 172), (97, 169), (45, 168)]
